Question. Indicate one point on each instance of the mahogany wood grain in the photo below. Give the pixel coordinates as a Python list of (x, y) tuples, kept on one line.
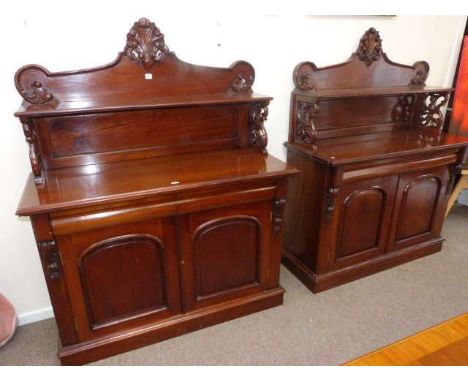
[(156, 208), (375, 168)]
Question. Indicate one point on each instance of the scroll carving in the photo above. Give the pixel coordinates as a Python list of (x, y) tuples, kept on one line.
[(34, 153), (370, 47), (278, 214), (37, 94), (145, 43), (302, 76), (431, 112), (305, 128), (422, 71), (258, 137), (330, 202), (402, 110), (50, 259), (244, 77)]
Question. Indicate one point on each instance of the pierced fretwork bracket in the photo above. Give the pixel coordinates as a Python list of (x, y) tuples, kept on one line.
[(50, 259), (330, 202), (431, 111), (278, 214)]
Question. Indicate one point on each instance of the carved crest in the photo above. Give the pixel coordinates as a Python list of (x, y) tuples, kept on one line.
[(145, 43), (370, 47)]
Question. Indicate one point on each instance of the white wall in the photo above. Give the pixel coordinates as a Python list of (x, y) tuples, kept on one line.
[(72, 38)]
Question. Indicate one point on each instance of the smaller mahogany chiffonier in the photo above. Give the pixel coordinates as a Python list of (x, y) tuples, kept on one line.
[(155, 206), (375, 169)]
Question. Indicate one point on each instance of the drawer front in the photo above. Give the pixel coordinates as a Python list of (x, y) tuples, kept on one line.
[(121, 277), (420, 205), (225, 253)]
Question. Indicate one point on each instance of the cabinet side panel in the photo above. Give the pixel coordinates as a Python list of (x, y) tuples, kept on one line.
[(302, 213)]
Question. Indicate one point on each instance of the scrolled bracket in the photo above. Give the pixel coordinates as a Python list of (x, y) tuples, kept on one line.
[(258, 137), (305, 131), (403, 108), (34, 153), (431, 111), (50, 257)]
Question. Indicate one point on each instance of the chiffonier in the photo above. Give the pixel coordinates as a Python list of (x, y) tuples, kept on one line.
[(155, 206), (375, 169)]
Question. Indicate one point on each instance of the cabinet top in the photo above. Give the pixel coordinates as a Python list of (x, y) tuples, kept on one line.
[(145, 75), (390, 144), (107, 183)]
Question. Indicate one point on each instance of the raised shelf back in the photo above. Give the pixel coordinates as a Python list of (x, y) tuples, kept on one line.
[(366, 94), (146, 103)]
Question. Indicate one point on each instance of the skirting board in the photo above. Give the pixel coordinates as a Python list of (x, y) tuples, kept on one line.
[(35, 315)]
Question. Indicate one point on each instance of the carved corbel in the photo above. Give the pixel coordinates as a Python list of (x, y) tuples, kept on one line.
[(34, 153), (277, 217), (403, 108), (145, 44), (305, 128), (330, 202), (370, 47), (258, 137), (50, 259), (430, 114)]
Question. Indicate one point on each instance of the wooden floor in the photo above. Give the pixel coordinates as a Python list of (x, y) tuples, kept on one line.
[(445, 344)]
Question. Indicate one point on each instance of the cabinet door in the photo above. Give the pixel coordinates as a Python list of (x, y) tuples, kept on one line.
[(419, 208), (362, 218), (225, 253), (121, 276)]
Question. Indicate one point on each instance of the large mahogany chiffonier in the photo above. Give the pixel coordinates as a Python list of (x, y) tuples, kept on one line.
[(155, 206), (376, 171)]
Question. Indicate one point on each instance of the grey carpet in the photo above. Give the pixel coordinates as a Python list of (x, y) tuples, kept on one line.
[(324, 329)]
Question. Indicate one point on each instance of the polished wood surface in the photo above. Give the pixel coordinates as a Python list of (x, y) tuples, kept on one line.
[(155, 206), (445, 344), (375, 169), (139, 179)]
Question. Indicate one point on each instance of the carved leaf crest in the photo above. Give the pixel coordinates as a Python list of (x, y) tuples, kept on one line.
[(145, 43), (370, 47)]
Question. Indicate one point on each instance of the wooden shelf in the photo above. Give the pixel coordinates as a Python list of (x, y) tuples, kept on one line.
[(374, 92), (115, 104)]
